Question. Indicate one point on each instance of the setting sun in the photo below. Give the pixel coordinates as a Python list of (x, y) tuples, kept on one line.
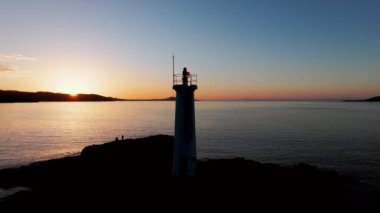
[(72, 82)]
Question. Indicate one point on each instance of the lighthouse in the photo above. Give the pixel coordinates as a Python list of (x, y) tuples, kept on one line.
[(184, 154)]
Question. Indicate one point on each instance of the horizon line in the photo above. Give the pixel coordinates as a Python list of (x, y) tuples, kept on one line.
[(206, 99)]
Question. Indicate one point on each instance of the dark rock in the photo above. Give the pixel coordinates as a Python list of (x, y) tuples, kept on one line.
[(135, 173)]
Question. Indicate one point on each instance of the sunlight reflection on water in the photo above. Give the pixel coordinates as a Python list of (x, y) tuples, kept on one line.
[(336, 135)]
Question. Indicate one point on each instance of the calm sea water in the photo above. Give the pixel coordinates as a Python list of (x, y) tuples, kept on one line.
[(333, 135)]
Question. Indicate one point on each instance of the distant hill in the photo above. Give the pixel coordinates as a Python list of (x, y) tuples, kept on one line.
[(12, 96), (154, 99), (373, 99)]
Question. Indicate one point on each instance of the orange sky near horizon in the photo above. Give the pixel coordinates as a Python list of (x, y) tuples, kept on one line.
[(143, 85)]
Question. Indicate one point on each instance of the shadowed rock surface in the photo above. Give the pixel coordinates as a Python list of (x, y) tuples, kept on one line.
[(135, 173)]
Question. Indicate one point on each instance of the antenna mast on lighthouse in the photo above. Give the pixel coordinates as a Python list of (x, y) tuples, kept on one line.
[(173, 69)]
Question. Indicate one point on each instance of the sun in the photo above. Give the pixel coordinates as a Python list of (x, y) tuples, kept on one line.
[(72, 92)]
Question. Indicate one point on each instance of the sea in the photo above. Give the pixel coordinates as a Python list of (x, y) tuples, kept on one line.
[(342, 136)]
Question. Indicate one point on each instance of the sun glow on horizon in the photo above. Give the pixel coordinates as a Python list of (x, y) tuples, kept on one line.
[(73, 81)]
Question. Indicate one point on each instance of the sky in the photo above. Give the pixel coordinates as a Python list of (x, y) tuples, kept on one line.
[(240, 49)]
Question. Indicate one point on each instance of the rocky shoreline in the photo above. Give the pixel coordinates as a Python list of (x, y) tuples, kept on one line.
[(137, 173)]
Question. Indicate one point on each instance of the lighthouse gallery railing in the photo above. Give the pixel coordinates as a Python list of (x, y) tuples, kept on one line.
[(191, 79)]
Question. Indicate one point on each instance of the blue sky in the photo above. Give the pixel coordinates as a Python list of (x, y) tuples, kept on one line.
[(270, 49)]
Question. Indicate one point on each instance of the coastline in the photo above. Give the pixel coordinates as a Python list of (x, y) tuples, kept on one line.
[(142, 167)]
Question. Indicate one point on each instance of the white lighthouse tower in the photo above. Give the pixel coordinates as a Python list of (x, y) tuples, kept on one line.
[(184, 156)]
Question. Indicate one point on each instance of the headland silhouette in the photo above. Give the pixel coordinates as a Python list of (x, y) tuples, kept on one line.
[(13, 96), (136, 173), (373, 99)]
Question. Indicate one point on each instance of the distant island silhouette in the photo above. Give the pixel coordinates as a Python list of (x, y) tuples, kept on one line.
[(153, 99), (136, 173), (13, 96), (373, 99)]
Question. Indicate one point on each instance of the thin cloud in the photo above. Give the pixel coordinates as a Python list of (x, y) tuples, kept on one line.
[(7, 68), (14, 57)]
